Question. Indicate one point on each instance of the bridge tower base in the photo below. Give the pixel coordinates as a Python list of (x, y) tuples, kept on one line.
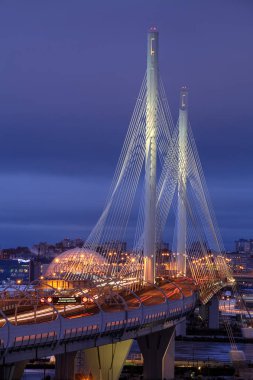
[(181, 328), (158, 350), (106, 362), (65, 366), (210, 313), (13, 371), (213, 313)]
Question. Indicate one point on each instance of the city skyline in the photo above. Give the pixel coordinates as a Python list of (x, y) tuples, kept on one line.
[(56, 165)]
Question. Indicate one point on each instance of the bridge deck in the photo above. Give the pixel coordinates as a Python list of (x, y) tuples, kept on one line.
[(51, 324)]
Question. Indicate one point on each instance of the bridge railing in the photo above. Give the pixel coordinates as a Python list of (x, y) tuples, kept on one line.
[(103, 323)]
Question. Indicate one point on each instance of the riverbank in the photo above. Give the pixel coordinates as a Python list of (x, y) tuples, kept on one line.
[(213, 338)]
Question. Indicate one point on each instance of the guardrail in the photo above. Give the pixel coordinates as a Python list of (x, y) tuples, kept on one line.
[(113, 311), (62, 329)]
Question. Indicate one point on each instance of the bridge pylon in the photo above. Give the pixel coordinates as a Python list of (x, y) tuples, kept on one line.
[(182, 183), (151, 156)]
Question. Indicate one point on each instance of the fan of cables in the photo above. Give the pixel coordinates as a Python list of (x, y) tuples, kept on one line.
[(181, 192)]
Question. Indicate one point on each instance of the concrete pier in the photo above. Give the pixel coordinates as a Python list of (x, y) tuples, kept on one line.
[(65, 366), (181, 328), (210, 313), (158, 350), (106, 362), (13, 371), (213, 313)]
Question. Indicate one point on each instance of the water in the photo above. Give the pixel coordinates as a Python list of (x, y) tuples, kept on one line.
[(37, 374), (185, 351), (213, 351)]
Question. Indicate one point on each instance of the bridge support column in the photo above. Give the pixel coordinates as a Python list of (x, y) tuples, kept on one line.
[(181, 328), (203, 312), (106, 362), (213, 313), (65, 366), (158, 350), (13, 371)]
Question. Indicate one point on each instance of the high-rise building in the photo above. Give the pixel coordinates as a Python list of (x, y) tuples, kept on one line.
[(15, 271), (244, 246)]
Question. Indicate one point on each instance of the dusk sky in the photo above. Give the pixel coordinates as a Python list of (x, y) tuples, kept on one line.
[(70, 73)]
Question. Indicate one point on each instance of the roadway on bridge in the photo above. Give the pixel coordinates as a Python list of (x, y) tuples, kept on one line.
[(108, 302)]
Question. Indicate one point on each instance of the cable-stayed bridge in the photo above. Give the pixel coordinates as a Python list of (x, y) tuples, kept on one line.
[(91, 299)]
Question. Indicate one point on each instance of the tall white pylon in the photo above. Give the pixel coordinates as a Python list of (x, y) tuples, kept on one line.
[(182, 178), (151, 156)]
